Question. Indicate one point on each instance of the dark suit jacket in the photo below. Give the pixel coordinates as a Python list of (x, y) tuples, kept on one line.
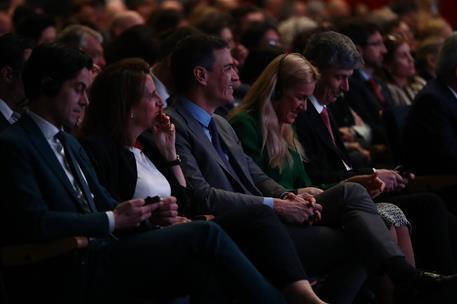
[(363, 101), (430, 136), (38, 201), (215, 188), (116, 167), (325, 159), (4, 123)]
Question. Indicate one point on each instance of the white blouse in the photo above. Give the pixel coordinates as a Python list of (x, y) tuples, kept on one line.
[(150, 181)]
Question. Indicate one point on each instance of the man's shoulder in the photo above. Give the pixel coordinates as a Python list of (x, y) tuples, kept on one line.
[(14, 133), (433, 93)]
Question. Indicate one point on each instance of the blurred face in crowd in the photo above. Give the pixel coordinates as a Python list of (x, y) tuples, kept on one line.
[(94, 49), (402, 64), (373, 52), (332, 84), (293, 100), (48, 35)]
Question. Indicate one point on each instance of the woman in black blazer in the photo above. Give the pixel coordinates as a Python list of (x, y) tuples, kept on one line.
[(132, 146)]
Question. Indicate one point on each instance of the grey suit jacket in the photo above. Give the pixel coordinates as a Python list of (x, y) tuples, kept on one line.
[(215, 188)]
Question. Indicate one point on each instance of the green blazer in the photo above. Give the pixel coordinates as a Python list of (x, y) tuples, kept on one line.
[(292, 176)]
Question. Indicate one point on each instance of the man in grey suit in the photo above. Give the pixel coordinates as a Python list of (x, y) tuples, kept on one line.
[(223, 177)]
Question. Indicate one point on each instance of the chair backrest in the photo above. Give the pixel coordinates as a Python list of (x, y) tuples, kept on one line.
[(394, 123)]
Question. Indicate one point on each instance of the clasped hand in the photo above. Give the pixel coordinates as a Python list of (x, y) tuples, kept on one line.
[(298, 209)]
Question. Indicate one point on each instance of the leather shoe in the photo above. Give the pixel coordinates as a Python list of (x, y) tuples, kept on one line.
[(429, 287), (425, 279)]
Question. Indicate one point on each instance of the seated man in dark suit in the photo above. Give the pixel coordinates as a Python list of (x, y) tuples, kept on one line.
[(327, 162), (223, 177), (12, 95), (430, 136), (369, 95), (51, 191)]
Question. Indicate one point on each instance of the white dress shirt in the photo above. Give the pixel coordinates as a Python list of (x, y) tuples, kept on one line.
[(150, 181), (8, 113)]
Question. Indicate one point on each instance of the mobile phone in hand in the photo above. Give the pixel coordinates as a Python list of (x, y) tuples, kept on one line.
[(403, 171), (151, 200)]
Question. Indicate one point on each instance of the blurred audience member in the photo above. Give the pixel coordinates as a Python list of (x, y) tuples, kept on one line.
[(399, 66), (12, 95), (85, 39), (427, 56), (137, 41), (430, 138), (37, 27), (123, 21), (163, 20)]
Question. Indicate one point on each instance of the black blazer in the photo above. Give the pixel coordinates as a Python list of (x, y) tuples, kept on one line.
[(4, 123), (430, 136), (116, 167), (38, 202), (324, 163), (363, 101)]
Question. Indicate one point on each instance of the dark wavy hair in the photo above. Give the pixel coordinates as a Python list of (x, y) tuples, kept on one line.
[(114, 92)]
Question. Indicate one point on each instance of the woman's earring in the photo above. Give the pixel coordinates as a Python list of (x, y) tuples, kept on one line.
[(132, 116)]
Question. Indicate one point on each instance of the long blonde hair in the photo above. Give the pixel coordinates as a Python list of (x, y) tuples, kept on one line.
[(282, 73)]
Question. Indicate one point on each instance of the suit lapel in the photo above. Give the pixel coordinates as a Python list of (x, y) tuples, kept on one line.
[(42, 146), (233, 150), (196, 128)]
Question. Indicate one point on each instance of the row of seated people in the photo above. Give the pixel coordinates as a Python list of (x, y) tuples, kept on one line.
[(218, 182)]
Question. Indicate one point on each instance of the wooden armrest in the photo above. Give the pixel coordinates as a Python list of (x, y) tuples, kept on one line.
[(23, 254), (432, 182)]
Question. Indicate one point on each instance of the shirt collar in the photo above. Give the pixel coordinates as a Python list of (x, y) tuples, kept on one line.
[(364, 74), (5, 109), (319, 108), (47, 128), (453, 92), (197, 112)]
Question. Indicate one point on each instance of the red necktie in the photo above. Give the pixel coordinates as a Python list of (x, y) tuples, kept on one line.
[(376, 90), (326, 120)]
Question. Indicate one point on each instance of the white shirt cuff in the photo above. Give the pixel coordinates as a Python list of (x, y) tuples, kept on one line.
[(111, 221), (268, 201)]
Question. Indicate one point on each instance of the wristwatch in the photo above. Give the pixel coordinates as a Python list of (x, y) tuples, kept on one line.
[(175, 162)]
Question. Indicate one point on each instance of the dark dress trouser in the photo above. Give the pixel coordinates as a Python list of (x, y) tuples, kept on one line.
[(179, 260)]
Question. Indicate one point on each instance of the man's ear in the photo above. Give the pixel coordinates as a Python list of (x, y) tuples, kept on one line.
[(360, 50), (201, 75), (6, 74)]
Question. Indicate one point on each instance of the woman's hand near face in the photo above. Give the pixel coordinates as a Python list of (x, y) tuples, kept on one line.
[(164, 136)]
